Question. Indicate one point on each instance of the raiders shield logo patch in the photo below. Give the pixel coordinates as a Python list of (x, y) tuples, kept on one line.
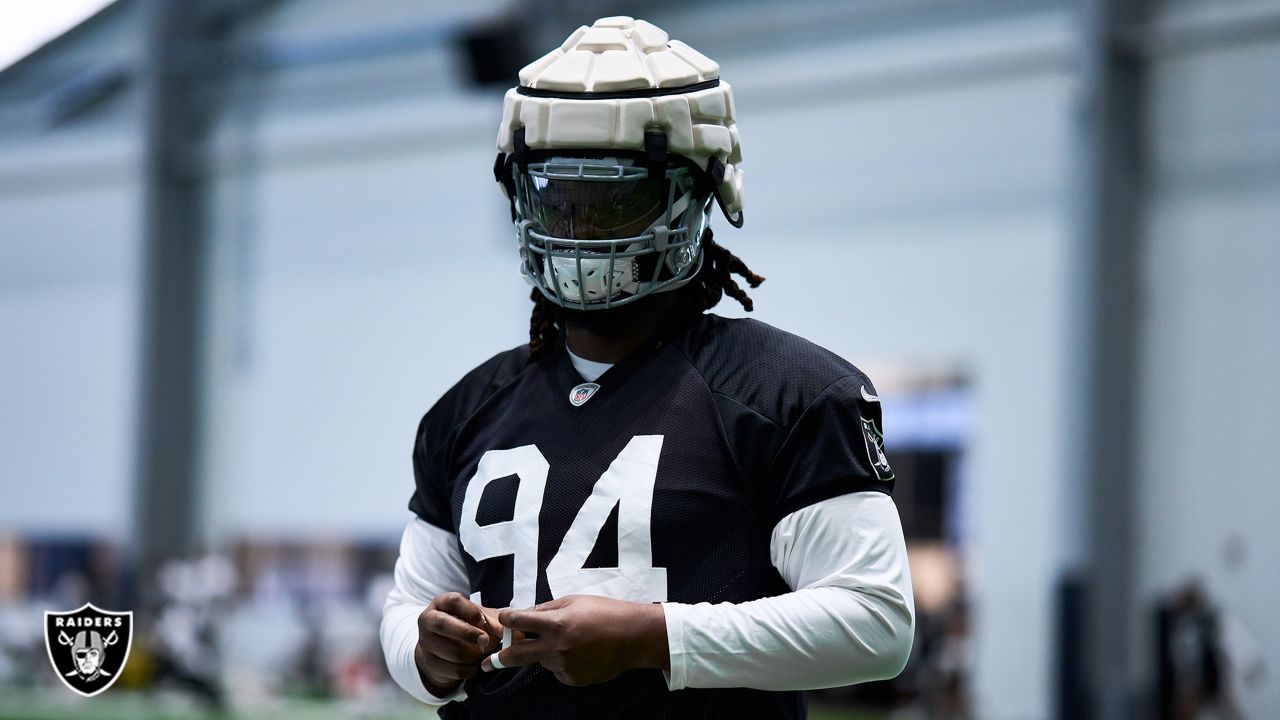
[(875, 450), (88, 646)]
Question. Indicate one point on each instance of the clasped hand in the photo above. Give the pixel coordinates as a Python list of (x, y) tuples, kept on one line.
[(580, 639)]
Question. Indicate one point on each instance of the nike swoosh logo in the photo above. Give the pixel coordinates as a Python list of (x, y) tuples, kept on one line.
[(868, 396)]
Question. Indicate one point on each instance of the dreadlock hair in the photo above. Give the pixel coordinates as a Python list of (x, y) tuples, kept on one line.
[(713, 281)]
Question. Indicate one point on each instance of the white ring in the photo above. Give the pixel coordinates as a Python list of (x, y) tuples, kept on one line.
[(497, 664)]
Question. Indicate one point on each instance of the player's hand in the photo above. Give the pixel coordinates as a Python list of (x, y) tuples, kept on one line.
[(453, 635), (585, 639)]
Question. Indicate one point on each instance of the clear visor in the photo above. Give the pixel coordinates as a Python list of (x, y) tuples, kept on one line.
[(592, 199)]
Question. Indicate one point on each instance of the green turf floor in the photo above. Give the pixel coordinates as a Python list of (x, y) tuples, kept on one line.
[(128, 706)]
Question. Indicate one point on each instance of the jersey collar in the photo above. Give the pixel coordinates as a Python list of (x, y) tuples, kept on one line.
[(566, 377)]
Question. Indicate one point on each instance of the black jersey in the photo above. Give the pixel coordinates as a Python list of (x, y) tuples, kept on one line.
[(661, 481)]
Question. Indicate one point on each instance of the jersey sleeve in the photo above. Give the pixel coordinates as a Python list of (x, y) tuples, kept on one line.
[(849, 618), (430, 500), (438, 430), (835, 447)]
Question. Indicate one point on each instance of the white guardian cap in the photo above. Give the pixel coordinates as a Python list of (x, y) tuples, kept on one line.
[(611, 150)]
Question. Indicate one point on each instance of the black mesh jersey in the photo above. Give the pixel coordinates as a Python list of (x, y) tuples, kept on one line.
[(662, 481)]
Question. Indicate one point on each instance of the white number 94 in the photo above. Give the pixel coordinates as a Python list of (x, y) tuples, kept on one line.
[(628, 484)]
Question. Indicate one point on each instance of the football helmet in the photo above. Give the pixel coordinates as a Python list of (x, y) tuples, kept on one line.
[(611, 151)]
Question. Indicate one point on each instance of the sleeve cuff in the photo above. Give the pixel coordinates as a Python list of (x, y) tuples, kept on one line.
[(456, 696), (676, 616), (400, 636)]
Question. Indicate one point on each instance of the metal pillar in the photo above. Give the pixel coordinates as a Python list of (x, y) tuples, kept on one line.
[(1111, 184), (181, 81)]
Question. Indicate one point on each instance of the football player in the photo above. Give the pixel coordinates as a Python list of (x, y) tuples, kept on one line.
[(647, 511)]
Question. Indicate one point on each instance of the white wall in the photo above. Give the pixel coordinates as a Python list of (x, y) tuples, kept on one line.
[(1210, 470), (68, 318), (70, 242)]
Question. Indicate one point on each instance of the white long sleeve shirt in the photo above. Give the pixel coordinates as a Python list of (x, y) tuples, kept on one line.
[(849, 617)]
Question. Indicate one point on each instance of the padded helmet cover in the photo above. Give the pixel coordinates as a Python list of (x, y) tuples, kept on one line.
[(609, 83)]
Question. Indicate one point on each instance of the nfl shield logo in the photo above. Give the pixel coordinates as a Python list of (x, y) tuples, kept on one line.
[(88, 646), (582, 393)]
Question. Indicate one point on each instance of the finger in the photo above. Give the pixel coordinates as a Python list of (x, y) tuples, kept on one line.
[(444, 671), (441, 672), (458, 606), (446, 625), (556, 603), (493, 627), (454, 651), (532, 620), (518, 655)]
